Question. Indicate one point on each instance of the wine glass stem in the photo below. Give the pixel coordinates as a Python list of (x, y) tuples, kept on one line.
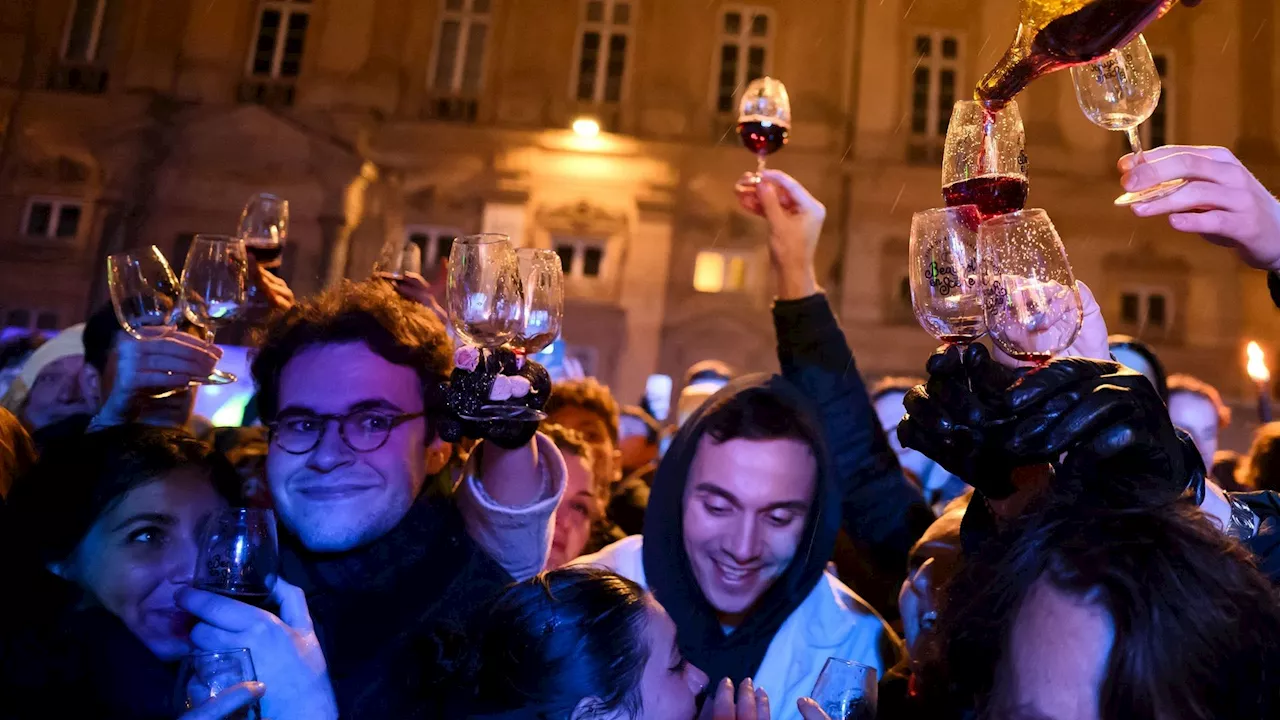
[(1135, 142), (759, 164)]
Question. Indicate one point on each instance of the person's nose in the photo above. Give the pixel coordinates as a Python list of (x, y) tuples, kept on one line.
[(331, 452), (744, 543), (182, 558), (69, 390), (697, 679)]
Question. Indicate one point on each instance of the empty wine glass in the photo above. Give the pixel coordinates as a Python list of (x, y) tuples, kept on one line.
[(846, 690), (1120, 92), (203, 676), (984, 161), (764, 125), (213, 280), (1030, 298), (944, 273), (485, 300), (264, 227), (146, 296), (240, 556), (397, 258), (542, 278)]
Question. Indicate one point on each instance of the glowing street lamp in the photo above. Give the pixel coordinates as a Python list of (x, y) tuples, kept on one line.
[(586, 127), (1261, 376)]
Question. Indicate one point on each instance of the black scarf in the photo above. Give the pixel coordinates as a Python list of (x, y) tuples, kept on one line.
[(393, 616), (702, 640)]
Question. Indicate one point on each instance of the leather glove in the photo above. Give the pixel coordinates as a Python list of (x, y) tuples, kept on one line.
[(1112, 426), (959, 419), (471, 389)]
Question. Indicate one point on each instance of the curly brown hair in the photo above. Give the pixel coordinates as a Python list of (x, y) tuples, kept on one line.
[(399, 330), (589, 395), (571, 441)]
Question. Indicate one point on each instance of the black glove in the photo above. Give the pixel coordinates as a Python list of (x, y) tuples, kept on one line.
[(1112, 426), (959, 420), (468, 391)]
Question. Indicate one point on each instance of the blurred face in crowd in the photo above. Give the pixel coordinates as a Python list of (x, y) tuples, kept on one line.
[(1197, 415), (595, 431), (634, 447), (890, 410), (141, 550), (932, 562), (58, 393), (745, 507), (334, 498), (577, 509), (670, 685), (1056, 661)]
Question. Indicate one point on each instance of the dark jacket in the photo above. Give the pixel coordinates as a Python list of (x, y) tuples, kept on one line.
[(1265, 544), (882, 513), (393, 616)]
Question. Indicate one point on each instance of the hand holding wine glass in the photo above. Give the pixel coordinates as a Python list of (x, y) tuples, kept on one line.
[(206, 678), (846, 690), (213, 286), (764, 125), (795, 226), (264, 228), (240, 556), (1030, 298)]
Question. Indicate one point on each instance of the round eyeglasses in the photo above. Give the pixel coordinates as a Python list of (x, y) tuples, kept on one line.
[(362, 430)]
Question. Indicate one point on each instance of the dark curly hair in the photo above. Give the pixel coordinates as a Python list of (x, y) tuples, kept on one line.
[(398, 330), (565, 635), (589, 395)]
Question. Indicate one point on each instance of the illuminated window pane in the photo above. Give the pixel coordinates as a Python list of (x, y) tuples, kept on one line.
[(708, 272)]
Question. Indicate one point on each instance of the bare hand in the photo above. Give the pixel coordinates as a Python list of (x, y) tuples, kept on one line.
[(285, 650), (809, 710), (166, 360), (751, 703), (1091, 342), (274, 290), (228, 702), (413, 286), (1222, 200), (793, 233)]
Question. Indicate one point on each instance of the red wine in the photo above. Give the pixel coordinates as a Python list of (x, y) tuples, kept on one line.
[(263, 249), (1038, 358), (993, 194), (256, 597), (763, 137)]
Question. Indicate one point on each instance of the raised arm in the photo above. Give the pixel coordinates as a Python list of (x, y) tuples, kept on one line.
[(880, 507)]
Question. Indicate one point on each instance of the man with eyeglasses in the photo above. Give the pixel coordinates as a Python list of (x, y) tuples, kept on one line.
[(348, 382)]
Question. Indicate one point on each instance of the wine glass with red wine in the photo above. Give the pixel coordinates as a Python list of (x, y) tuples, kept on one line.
[(764, 125), (984, 162), (1120, 92), (944, 273), (240, 556), (264, 227), (1029, 294)]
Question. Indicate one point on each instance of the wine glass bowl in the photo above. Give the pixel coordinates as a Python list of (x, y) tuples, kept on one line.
[(145, 294), (1030, 299), (213, 287), (202, 676), (240, 556), (846, 690), (483, 291), (1119, 92), (764, 125), (984, 161), (542, 280), (264, 227), (945, 292)]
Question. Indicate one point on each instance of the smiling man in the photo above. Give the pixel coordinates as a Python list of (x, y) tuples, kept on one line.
[(349, 385)]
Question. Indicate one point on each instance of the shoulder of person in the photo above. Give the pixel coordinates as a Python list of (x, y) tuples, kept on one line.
[(625, 557)]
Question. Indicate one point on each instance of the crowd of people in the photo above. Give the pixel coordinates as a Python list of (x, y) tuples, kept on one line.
[(1064, 543)]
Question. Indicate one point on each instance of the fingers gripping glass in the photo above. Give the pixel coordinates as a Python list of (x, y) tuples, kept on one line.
[(146, 297), (203, 676), (362, 431)]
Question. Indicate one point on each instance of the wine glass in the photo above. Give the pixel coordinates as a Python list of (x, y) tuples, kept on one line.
[(204, 675), (240, 556), (764, 124), (1120, 92), (264, 227), (213, 280), (984, 162), (1029, 294), (846, 690), (485, 299), (542, 279), (146, 297), (944, 273), (397, 258)]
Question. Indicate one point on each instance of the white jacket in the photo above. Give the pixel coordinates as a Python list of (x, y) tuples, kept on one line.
[(831, 622)]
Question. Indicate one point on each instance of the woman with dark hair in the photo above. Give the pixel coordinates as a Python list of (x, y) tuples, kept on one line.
[(581, 643), (105, 533)]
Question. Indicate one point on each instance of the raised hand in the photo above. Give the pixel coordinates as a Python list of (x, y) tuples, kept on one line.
[(1222, 200), (162, 362), (795, 224), (276, 293), (286, 653), (414, 287)]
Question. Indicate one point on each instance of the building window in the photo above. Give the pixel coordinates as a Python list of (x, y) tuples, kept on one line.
[(434, 243), (602, 50), (583, 259), (279, 39), (935, 82), (460, 47), (716, 271), (1146, 310), (83, 35), (1156, 130), (52, 218), (746, 41)]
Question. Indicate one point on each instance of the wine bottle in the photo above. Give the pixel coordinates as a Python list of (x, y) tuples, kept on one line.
[(1054, 34)]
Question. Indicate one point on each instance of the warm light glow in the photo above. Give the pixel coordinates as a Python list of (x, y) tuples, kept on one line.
[(586, 127), (1257, 364), (708, 272)]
